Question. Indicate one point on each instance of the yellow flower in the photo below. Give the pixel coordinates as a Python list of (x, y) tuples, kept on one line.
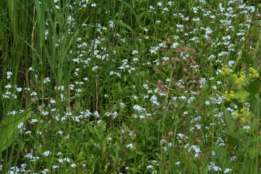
[(242, 77), (225, 70), (231, 94), (227, 96), (253, 73), (235, 78), (242, 109), (235, 114), (256, 74), (247, 113), (243, 119)]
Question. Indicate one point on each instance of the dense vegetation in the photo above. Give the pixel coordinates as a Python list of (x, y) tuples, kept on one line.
[(135, 86)]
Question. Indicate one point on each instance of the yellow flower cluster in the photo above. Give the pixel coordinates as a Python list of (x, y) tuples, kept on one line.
[(225, 70), (242, 77), (253, 73), (229, 95), (238, 81), (235, 114), (245, 113)]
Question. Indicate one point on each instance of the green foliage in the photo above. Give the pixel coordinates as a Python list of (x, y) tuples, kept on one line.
[(10, 130), (130, 87)]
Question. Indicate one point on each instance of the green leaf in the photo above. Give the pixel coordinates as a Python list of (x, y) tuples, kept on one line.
[(241, 96), (119, 86), (232, 141), (128, 5), (253, 125), (254, 31), (12, 4), (141, 15), (229, 121), (247, 57), (82, 156), (71, 41), (252, 152), (235, 101), (238, 66), (140, 153), (40, 21), (246, 38), (257, 54), (9, 128), (124, 25), (253, 88)]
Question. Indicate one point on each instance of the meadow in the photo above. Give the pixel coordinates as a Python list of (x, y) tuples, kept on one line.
[(130, 86)]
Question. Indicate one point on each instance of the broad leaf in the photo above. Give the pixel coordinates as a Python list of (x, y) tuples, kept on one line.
[(241, 96), (229, 121), (9, 128), (247, 57), (253, 88)]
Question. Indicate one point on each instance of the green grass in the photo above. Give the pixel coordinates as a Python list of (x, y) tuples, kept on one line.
[(130, 87)]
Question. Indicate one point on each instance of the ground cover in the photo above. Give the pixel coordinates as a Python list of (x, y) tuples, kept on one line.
[(130, 87)]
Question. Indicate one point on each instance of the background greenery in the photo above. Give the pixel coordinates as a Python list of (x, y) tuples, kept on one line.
[(130, 86)]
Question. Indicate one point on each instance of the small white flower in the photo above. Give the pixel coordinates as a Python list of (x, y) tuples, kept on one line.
[(67, 159), (214, 87), (60, 132), (19, 89), (219, 82), (31, 69), (228, 170), (20, 125), (150, 167), (73, 165), (60, 88), (52, 101), (207, 102), (28, 132), (174, 45), (8, 86), (34, 120), (134, 52), (159, 4), (231, 63), (55, 166), (96, 114), (94, 68), (111, 24), (247, 127), (130, 146), (8, 74), (47, 153), (62, 97)]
